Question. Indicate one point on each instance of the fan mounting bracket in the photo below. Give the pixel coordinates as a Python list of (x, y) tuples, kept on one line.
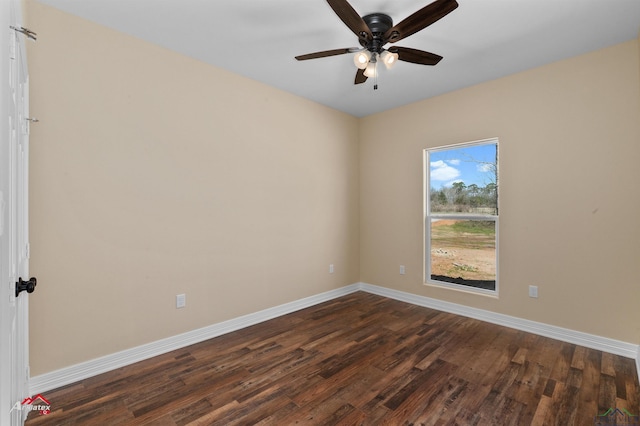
[(378, 22)]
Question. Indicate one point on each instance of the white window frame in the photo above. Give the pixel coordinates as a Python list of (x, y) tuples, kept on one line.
[(428, 216)]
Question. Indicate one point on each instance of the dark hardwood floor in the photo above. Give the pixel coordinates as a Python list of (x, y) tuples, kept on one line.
[(359, 360)]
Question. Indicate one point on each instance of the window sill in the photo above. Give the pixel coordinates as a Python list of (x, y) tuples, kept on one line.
[(464, 288)]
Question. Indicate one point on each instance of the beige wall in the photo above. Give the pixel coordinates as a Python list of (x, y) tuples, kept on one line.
[(154, 174), (569, 207)]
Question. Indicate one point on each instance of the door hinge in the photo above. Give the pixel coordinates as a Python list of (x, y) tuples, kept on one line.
[(12, 46), (26, 31), (27, 251), (27, 124)]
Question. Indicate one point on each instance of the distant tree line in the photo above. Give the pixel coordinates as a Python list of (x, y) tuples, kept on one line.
[(460, 198)]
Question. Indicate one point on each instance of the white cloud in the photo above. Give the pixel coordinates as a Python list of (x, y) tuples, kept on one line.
[(443, 172), (454, 162), (484, 168)]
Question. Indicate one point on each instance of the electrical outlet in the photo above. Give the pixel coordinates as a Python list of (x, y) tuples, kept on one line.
[(331, 269), (402, 269), (533, 291), (181, 301)]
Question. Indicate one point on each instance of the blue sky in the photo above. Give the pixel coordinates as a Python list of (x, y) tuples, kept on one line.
[(462, 164)]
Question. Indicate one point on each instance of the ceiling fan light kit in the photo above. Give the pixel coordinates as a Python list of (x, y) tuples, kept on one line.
[(375, 30)]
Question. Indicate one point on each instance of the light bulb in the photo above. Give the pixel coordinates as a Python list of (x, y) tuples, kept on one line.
[(361, 59)]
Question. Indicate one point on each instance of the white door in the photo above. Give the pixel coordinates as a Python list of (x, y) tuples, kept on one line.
[(14, 235)]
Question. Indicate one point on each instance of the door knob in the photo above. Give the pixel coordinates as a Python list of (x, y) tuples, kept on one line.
[(28, 286)]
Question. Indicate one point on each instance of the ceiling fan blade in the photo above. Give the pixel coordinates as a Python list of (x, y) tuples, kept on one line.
[(360, 77), (350, 17), (326, 53), (420, 20), (415, 56)]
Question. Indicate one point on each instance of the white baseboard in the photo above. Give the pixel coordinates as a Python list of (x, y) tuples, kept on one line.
[(84, 370), (605, 344), (638, 363)]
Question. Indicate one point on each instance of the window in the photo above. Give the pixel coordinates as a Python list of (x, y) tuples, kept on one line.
[(461, 216)]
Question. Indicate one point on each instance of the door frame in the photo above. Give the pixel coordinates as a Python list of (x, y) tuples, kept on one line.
[(14, 231)]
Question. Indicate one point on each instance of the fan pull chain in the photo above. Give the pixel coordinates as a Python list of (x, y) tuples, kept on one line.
[(375, 76)]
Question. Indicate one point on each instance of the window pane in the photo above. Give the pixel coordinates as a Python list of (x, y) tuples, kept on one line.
[(464, 180), (464, 252), (462, 214)]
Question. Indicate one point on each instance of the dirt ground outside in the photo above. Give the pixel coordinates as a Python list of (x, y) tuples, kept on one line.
[(462, 255)]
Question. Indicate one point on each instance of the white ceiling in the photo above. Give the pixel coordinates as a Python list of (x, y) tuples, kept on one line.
[(481, 40)]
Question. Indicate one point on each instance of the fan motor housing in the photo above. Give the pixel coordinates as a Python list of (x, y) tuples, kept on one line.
[(379, 24)]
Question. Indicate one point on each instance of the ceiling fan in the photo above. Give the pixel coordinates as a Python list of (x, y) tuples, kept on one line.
[(375, 30)]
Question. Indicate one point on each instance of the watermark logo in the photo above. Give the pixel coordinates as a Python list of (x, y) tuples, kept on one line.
[(618, 417), (37, 403)]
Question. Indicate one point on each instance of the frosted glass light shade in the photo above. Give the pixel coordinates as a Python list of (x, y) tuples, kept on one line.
[(389, 59), (371, 70), (361, 59)]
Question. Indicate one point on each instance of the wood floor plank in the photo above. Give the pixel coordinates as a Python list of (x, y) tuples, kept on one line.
[(362, 386), (360, 359), (560, 361)]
